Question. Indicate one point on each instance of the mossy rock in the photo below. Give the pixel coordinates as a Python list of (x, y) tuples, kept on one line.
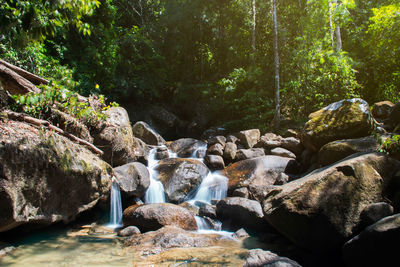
[(349, 118)]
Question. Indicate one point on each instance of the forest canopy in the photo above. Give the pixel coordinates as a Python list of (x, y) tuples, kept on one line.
[(213, 55)]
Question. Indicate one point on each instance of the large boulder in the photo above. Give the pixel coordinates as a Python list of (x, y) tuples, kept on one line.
[(133, 178), (186, 147), (180, 176), (150, 217), (349, 118), (238, 212), (394, 116), (338, 150), (263, 258), (230, 152), (249, 138), (262, 170), (115, 137), (147, 134), (46, 178), (250, 153), (215, 162), (376, 245), (279, 151), (322, 209), (269, 141)]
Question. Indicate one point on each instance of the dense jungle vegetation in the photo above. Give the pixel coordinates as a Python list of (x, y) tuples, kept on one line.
[(216, 54)]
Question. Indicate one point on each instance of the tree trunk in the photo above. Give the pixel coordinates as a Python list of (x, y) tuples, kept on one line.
[(337, 31), (15, 83), (276, 56), (253, 28), (27, 75), (331, 24)]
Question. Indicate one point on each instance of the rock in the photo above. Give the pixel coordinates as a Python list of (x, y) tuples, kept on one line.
[(217, 140), (375, 245), (278, 151), (241, 233), (46, 178), (232, 139), (262, 258), (265, 170), (243, 154), (186, 147), (230, 152), (69, 124), (190, 207), (374, 212), (141, 150), (133, 178), (269, 141), (293, 144), (150, 217), (241, 192), (214, 131), (180, 176), (238, 212), (291, 133), (394, 116), (215, 149), (215, 162), (162, 153), (4, 247), (208, 211), (249, 138), (115, 137), (129, 231), (338, 150), (322, 209), (345, 119), (144, 132), (163, 118), (381, 110), (3, 98)]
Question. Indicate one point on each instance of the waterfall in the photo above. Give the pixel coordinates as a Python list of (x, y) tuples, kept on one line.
[(214, 186), (115, 205), (155, 192)]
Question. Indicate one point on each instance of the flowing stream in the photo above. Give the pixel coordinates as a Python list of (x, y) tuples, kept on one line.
[(115, 206)]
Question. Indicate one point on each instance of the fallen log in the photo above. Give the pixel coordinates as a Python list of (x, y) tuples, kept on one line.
[(38, 122), (15, 83), (33, 78)]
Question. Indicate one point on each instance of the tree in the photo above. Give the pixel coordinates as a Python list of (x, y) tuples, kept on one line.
[(276, 57)]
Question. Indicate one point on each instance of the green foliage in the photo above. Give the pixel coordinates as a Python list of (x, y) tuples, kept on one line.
[(391, 145)]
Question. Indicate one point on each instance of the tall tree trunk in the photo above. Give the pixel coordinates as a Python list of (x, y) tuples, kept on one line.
[(276, 56), (331, 24), (253, 28), (337, 30)]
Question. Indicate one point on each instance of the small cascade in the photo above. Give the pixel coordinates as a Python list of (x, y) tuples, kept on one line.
[(214, 186), (202, 223), (116, 206), (200, 152), (155, 192)]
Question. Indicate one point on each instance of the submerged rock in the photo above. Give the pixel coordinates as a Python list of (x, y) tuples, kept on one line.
[(133, 178), (321, 210), (144, 132), (129, 231), (180, 176), (150, 217), (263, 258), (115, 137), (349, 118), (46, 178)]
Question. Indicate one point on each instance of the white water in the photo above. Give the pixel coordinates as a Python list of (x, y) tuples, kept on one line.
[(155, 193), (116, 206), (214, 186)]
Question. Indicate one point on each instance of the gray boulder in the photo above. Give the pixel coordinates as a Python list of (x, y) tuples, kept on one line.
[(133, 178), (216, 149), (374, 212), (129, 231), (186, 147), (293, 144), (230, 152), (262, 258), (249, 138), (215, 162), (243, 154), (278, 151), (147, 134)]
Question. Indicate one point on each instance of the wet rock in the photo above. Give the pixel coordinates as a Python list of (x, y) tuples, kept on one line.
[(217, 140), (150, 217), (190, 207), (115, 137), (208, 211), (241, 233), (186, 147), (249, 138), (243, 154), (278, 151), (237, 212), (144, 132), (352, 119), (381, 110), (241, 192), (133, 179), (232, 139), (293, 144), (4, 247), (374, 212), (215, 162), (180, 176), (338, 150), (265, 170), (230, 152), (46, 178), (141, 150), (129, 231), (215, 149), (162, 153), (375, 245), (326, 204), (262, 258)]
